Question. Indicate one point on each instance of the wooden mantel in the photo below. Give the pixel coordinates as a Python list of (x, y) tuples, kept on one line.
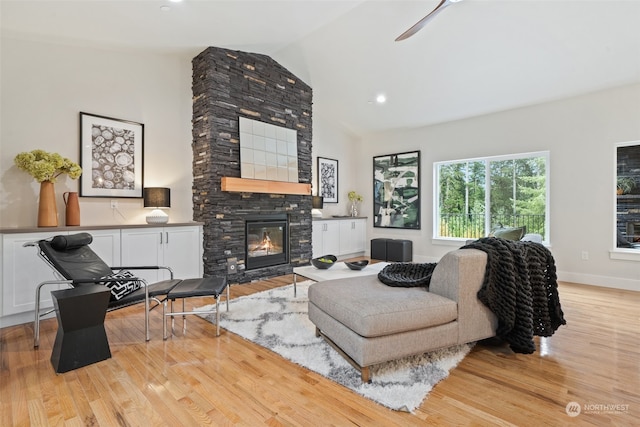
[(245, 185)]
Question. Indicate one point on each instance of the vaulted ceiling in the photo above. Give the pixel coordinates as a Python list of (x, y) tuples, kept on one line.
[(476, 57)]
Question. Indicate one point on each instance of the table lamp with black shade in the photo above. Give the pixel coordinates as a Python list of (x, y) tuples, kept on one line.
[(157, 198), (317, 203)]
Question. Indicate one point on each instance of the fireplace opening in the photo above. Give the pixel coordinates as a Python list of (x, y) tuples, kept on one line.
[(267, 241)]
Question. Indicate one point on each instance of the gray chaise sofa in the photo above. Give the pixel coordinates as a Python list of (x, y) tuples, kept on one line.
[(369, 322)]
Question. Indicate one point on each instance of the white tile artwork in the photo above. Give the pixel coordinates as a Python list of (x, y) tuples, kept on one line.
[(268, 151)]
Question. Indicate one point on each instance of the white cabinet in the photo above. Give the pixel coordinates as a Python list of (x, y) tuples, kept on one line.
[(352, 236), (325, 238), (23, 270), (106, 244), (179, 248), (183, 251), (339, 237), (143, 247)]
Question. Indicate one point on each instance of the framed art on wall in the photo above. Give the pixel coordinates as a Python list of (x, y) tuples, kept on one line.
[(111, 157), (328, 180), (396, 190)]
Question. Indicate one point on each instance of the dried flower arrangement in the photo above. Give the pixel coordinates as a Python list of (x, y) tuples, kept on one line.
[(45, 166), (354, 197)]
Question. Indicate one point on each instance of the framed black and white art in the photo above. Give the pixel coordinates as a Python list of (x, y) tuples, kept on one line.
[(328, 180), (111, 157)]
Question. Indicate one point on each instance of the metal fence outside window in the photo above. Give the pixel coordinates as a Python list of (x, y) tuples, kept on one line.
[(472, 226)]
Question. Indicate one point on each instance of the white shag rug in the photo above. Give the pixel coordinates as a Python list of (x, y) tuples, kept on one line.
[(276, 320)]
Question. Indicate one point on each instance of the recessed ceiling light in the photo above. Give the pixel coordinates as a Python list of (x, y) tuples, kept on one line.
[(165, 8), (381, 99)]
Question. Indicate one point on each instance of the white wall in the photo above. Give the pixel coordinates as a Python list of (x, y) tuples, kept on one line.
[(330, 141), (580, 134), (43, 89)]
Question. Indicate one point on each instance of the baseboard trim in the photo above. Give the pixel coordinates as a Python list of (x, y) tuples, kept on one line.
[(20, 318), (595, 280)]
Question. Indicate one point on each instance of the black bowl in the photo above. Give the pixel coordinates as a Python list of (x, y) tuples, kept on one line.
[(324, 262), (357, 265)]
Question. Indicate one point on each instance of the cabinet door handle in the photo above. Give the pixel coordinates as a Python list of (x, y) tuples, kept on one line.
[(161, 237), (167, 233)]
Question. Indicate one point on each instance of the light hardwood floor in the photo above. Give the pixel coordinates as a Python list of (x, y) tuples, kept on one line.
[(199, 380)]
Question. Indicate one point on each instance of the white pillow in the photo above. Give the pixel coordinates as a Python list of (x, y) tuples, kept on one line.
[(533, 237)]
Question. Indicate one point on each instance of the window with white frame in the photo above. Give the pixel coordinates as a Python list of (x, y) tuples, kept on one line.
[(476, 196)]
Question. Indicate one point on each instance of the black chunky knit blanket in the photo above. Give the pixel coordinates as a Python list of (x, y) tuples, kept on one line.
[(407, 274), (520, 287)]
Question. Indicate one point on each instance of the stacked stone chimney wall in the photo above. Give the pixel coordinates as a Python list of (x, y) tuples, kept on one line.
[(228, 85)]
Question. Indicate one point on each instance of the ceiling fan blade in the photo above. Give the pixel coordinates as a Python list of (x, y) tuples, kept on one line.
[(421, 23)]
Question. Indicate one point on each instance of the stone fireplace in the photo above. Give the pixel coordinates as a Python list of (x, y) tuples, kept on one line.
[(228, 85)]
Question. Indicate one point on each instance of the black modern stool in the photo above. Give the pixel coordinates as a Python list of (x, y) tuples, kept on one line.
[(379, 249), (207, 287), (399, 250), (81, 338)]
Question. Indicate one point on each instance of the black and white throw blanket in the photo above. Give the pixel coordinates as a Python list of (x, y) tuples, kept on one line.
[(520, 287)]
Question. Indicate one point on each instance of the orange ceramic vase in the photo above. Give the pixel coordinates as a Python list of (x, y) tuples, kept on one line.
[(72, 214), (47, 210)]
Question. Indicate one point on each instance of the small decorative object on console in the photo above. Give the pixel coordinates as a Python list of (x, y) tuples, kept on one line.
[(45, 168), (317, 204), (324, 262), (354, 203)]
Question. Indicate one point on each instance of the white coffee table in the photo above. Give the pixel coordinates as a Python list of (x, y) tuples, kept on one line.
[(338, 271)]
